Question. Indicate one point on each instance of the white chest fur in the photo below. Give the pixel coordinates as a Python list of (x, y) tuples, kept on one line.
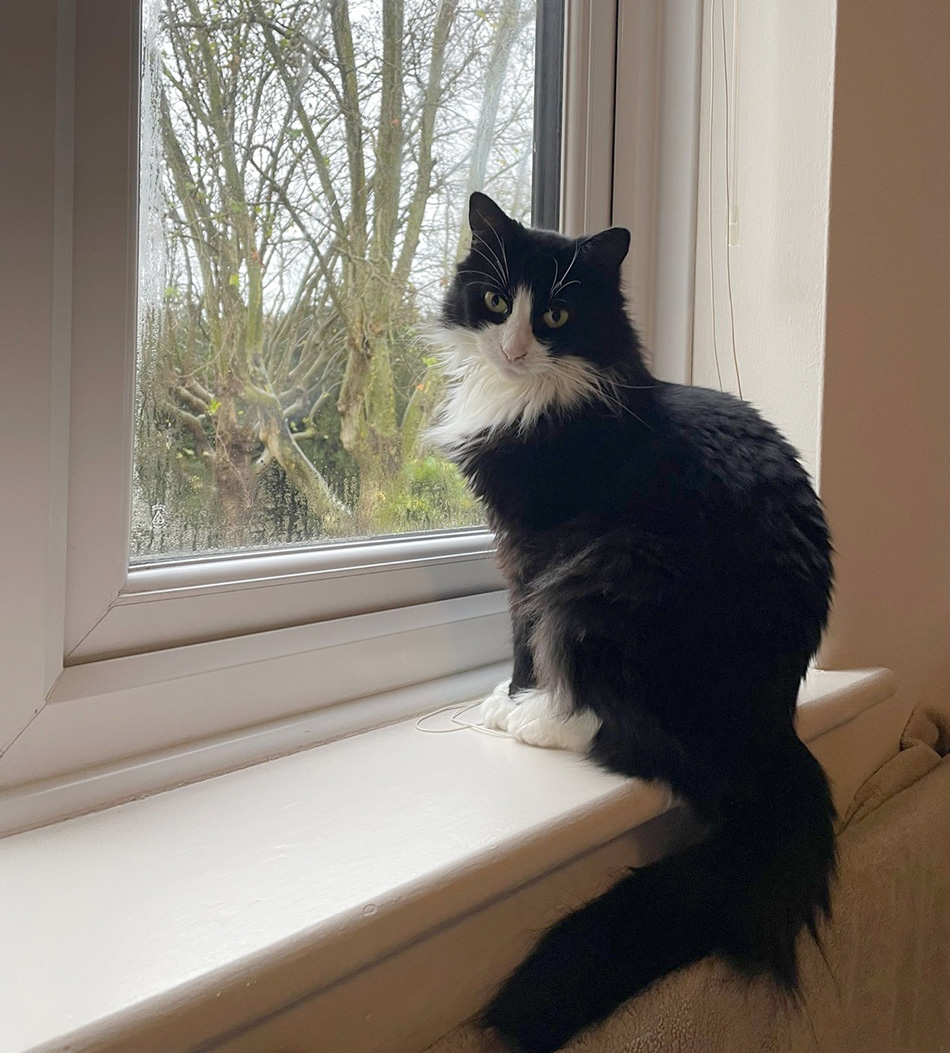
[(503, 375)]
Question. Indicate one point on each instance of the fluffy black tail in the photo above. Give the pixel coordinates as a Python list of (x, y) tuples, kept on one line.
[(745, 894)]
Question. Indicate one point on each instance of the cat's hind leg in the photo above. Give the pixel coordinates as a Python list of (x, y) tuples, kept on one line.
[(497, 708), (532, 716), (526, 711), (539, 719), (529, 712)]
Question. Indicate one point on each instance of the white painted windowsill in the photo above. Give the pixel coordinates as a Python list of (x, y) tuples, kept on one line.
[(180, 921)]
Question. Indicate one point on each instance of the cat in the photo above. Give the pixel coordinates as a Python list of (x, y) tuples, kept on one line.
[(669, 570)]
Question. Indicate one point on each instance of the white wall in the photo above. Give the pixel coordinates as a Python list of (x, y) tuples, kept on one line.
[(841, 291), (886, 423), (782, 127)]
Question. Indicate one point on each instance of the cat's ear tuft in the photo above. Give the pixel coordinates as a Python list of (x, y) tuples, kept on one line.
[(608, 249), (484, 216)]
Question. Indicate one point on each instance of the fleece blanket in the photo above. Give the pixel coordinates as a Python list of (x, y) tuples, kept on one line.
[(882, 983)]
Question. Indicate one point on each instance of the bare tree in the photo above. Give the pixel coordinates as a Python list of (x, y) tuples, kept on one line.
[(309, 149)]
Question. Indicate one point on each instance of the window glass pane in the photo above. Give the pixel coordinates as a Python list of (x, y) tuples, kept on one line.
[(305, 172)]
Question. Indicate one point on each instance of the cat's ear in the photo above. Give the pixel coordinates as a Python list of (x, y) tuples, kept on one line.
[(484, 216), (608, 249)]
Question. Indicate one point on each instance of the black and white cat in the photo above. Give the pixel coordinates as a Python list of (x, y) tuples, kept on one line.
[(669, 571)]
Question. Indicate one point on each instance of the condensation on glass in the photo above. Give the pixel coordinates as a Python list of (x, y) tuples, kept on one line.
[(305, 168)]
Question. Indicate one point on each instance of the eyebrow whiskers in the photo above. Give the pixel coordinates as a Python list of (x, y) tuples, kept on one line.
[(562, 283), (493, 262), (504, 255)]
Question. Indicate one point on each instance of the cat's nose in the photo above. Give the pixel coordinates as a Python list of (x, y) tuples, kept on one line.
[(515, 349)]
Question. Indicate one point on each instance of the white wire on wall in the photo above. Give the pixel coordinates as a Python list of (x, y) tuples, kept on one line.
[(730, 229)]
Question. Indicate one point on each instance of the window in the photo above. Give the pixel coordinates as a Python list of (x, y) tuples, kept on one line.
[(227, 459), (304, 176), (195, 664)]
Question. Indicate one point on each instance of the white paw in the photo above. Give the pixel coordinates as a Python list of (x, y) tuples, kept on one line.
[(497, 708), (536, 720)]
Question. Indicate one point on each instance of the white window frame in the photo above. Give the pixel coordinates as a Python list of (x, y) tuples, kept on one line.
[(207, 598), (146, 677)]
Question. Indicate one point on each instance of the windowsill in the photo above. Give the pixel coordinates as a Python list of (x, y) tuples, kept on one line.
[(206, 908)]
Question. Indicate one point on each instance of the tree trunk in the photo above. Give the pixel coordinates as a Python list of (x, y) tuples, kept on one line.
[(232, 465)]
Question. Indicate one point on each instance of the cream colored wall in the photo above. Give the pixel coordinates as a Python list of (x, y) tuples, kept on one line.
[(885, 469), (844, 150)]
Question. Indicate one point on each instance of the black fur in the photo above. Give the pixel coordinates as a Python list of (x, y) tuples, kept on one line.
[(669, 568)]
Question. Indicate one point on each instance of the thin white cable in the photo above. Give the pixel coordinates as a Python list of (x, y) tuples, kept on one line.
[(458, 712), (709, 186), (733, 184), (730, 123)]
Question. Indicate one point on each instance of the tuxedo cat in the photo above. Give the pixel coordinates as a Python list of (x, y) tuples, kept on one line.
[(669, 570)]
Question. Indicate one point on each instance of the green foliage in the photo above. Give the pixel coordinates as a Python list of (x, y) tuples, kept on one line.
[(429, 494)]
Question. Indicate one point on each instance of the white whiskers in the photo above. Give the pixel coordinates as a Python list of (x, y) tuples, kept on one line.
[(493, 262), (563, 283)]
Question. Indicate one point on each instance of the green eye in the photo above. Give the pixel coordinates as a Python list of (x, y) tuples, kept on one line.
[(495, 303), (555, 317)]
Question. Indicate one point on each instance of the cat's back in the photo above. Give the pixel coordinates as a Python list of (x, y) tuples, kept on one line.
[(707, 470), (717, 504), (724, 443)]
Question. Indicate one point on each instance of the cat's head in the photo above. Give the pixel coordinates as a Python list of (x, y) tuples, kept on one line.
[(533, 321)]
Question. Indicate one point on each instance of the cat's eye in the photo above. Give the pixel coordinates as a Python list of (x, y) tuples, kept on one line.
[(555, 317), (496, 303)]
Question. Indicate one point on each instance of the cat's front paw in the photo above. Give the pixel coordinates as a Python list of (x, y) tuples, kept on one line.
[(497, 708), (537, 721)]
